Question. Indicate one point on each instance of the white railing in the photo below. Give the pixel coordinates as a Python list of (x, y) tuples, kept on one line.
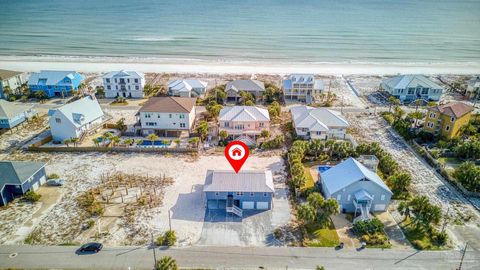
[(236, 210)]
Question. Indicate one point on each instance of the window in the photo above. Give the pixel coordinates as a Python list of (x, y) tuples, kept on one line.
[(348, 198), (425, 91), (58, 120), (136, 80), (264, 194), (151, 124), (226, 124), (319, 133), (108, 87), (239, 193), (129, 87), (453, 119), (251, 194), (339, 197), (147, 115), (115, 80), (136, 87), (158, 115), (128, 80), (447, 128), (261, 124), (182, 125), (107, 80), (182, 116), (411, 91), (382, 197), (170, 115), (216, 193)]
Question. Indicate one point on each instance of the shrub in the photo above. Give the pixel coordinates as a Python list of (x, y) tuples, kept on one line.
[(368, 226), (278, 233), (375, 239), (418, 244), (169, 238), (166, 263), (31, 196), (274, 143), (440, 238), (88, 202), (53, 176)]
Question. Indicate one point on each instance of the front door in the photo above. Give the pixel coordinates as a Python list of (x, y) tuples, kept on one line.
[(236, 203), (230, 201)]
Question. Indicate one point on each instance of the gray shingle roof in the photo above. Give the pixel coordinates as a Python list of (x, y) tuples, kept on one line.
[(245, 85), (244, 181), (17, 172)]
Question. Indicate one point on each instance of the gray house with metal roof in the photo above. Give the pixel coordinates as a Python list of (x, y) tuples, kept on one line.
[(254, 87), (356, 188), (18, 177), (235, 192), (412, 87), (11, 114)]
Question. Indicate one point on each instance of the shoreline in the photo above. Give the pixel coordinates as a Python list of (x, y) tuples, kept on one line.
[(158, 65)]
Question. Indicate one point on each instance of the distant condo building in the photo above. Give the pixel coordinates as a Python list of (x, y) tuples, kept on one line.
[(187, 88), (127, 84), (55, 83), (302, 88), (409, 88), (11, 80), (473, 88)]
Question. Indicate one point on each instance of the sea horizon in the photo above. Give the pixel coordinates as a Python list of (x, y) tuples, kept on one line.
[(333, 37)]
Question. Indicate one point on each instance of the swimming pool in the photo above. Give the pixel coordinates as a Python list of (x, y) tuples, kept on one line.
[(155, 143), (323, 168)]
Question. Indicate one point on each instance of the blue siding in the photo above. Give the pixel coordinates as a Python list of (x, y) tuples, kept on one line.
[(11, 191), (12, 122), (64, 86), (257, 197)]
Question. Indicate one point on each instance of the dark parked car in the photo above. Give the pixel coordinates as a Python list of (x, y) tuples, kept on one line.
[(55, 182), (91, 247)]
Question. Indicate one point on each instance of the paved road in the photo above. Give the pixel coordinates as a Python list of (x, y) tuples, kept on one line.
[(62, 257)]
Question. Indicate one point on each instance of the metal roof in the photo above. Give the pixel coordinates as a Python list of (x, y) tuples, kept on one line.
[(9, 109), (187, 85), (17, 172), (244, 114), (317, 119), (53, 77), (244, 181), (410, 81), (79, 112), (346, 173), (124, 73), (245, 85)]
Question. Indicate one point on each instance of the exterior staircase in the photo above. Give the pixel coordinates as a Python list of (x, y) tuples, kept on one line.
[(364, 214), (235, 209), (245, 139)]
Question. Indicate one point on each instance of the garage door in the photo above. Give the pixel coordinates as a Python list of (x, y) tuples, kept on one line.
[(35, 186), (43, 180), (248, 205), (262, 205), (379, 207)]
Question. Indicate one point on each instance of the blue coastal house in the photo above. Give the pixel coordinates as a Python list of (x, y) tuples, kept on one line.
[(12, 114), (235, 192), (18, 177), (356, 188), (408, 88), (55, 83)]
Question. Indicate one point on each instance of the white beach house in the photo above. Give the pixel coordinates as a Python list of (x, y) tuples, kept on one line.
[(409, 88), (318, 123), (127, 84), (187, 88), (74, 120), (473, 88), (301, 87), (166, 116)]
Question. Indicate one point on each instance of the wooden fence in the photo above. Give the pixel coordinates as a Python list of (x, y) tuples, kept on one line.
[(113, 149)]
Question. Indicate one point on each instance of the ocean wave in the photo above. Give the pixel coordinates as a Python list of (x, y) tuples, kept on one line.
[(154, 39)]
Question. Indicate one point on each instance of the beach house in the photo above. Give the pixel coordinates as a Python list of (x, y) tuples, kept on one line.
[(356, 188), (76, 119), (301, 88), (244, 123), (127, 84), (237, 192), (12, 114), (318, 123), (55, 83), (408, 88), (18, 177), (166, 116), (447, 120), (473, 88), (187, 88), (10, 82), (254, 87)]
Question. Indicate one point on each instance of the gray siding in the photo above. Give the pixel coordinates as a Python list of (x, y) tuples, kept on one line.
[(217, 201), (11, 191)]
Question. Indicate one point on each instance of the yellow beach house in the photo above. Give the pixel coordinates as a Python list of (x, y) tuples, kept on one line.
[(446, 120)]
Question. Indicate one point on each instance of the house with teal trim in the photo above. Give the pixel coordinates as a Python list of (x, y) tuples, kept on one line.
[(18, 177), (55, 83), (12, 114), (408, 88)]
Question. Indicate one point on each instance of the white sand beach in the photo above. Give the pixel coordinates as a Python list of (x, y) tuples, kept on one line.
[(105, 64)]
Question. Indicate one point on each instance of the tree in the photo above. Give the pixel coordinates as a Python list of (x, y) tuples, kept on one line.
[(67, 142), (272, 93), (166, 263), (223, 134), (404, 209), (128, 141), (274, 110), (31, 196), (468, 174), (115, 140), (214, 109), (169, 238), (264, 134), (416, 116), (120, 125), (139, 142), (398, 113), (421, 211), (177, 142), (194, 141), (202, 129), (152, 137), (41, 95), (316, 200), (330, 207), (96, 142), (306, 213), (7, 91), (399, 183), (393, 101), (74, 141), (245, 97)]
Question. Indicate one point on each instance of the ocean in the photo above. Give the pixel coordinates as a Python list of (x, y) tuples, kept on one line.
[(262, 31)]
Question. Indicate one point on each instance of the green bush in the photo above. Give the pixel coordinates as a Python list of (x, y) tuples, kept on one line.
[(166, 263), (371, 226), (418, 244), (375, 239), (274, 143), (53, 176), (31, 196), (169, 238)]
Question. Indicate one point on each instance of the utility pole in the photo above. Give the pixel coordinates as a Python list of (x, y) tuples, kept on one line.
[(153, 248), (169, 220), (445, 222), (463, 256)]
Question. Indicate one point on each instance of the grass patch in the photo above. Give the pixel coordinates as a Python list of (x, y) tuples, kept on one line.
[(114, 103), (420, 239), (322, 237), (310, 181)]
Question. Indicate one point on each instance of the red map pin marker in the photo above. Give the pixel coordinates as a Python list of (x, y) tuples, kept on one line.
[(236, 153)]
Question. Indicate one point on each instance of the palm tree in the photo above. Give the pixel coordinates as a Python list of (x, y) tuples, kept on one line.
[(115, 140), (7, 91), (96, 142), (194, 141), (264, 134), (306, 213), (128, 141), (67, 142), (223, 134), (166, 263), (152, 137), (74, 141), (404, 209), (393, 101), (177, 142), (139, 142)]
